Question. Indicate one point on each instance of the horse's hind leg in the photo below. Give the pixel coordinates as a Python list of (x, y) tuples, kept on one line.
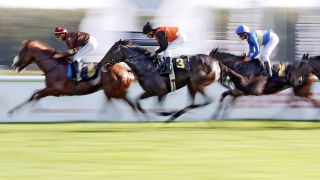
[(192, 92), (131, 104), (208, 100)]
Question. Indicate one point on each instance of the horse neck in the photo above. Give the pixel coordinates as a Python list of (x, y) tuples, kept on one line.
[(44, 60), (138, 61), (226, 58)]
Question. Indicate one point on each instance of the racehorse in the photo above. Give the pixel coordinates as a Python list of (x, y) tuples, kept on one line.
[(248, 80), (114, 80), (307, 65), (203, 71)]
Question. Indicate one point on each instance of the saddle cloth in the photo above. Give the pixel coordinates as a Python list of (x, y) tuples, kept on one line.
[(89, 71)]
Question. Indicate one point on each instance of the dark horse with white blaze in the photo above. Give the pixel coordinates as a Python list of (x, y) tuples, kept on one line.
[(203, 71), (115, 80), (248, 80)]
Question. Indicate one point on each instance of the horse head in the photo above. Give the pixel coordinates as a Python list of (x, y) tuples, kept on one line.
[(124, 51), (114, 55), (30, 52), (300, 71)]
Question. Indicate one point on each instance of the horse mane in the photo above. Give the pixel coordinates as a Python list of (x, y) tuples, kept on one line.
[(215, 53), (135, 47), (37, 44), (314, 57)]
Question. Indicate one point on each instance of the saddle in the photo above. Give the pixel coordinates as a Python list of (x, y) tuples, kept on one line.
[(89, 71), (181, 62)]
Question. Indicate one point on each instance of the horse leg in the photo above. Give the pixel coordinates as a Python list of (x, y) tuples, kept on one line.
[(131, 104), (164, 113), (220, 105), (229, 106), (305, 91), (208, 100), (142, 96), (38, 95), (192, 92), (24, 103), (234, 93)]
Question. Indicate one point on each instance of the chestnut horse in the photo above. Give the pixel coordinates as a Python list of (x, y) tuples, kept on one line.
[(114, 80)]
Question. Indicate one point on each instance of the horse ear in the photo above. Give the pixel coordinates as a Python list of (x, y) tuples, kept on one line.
[(213, 52), (25, 42)]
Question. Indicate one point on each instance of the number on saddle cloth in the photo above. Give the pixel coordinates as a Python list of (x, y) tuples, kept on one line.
[(182, 62)]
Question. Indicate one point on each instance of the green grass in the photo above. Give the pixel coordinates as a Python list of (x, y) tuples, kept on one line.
[(203, 150)]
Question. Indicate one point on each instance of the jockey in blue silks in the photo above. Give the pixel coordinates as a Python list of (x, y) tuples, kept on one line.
[(257, 38)]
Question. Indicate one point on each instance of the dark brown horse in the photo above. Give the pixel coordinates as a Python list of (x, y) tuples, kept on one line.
[(203, 71), (247, 78), (307, 65), (114, 80)]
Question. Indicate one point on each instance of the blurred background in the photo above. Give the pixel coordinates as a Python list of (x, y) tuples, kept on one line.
[(208, 23)]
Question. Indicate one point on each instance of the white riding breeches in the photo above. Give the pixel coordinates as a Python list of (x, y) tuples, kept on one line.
[(86, 49), (182, 38), (269, 47)]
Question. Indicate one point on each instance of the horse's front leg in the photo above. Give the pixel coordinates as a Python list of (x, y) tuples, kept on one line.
[(36, 96), (234, 93), (32, 98)]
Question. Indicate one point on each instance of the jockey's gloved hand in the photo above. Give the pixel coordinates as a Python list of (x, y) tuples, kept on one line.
[(247, 58)]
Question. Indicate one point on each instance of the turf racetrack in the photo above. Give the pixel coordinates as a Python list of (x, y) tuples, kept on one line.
[(150, 151)]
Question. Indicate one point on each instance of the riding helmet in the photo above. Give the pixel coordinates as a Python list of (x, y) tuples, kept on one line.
[(59, 30), (147, 28), (242, 29)]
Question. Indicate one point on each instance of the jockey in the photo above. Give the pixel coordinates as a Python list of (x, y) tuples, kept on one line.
[(79, 45), (168, 38), (258, 38)]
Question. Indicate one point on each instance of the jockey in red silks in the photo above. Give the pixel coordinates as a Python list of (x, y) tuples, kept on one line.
[(168, 38), (257, 38), (79, 45)]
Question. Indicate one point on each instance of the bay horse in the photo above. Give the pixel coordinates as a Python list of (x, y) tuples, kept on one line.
[(114, 80), (248, 80), (203, 71)]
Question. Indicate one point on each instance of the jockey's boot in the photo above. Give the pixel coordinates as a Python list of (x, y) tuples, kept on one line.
[(78, 67), (166, 69), (268, 69), (262, 65)]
